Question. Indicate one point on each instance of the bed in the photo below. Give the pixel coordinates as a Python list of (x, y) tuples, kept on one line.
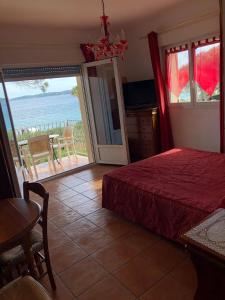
[(167, 193)]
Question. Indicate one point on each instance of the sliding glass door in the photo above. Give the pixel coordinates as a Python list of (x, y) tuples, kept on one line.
[(47, 101)]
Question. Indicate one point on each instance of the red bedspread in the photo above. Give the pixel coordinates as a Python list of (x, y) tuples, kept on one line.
[(168, 193)]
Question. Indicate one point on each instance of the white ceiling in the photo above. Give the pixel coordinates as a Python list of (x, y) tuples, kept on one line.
[(78, 13)]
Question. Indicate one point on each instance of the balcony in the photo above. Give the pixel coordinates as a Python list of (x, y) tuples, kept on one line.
[(65, 152)]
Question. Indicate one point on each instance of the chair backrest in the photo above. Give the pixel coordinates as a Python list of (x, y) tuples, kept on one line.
[(13, 149), (39, 190), (39, 144), (68, 132)]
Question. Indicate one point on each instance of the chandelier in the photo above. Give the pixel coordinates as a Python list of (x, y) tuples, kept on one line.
[(106, 47)]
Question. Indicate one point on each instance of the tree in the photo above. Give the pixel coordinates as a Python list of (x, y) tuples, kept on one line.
[(44, 86), (74, 91), (35, 84)]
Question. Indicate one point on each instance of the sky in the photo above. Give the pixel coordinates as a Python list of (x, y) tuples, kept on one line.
[(55, 85)]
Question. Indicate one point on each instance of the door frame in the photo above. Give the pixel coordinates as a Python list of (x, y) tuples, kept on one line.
[(5, 141), (118, 84)]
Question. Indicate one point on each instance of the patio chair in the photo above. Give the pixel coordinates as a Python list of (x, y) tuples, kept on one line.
[(40, 148), (24, 155), (67, 142)]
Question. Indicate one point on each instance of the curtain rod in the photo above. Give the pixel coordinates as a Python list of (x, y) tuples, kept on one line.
[(185, 23)]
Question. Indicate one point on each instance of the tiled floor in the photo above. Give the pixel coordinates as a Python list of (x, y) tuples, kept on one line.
[(67, 163), (97, 255)]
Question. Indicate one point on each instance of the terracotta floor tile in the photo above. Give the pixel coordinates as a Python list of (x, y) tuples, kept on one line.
[(65, 194), (76, 229), (83, 187), (98, 199), (140, 274), (57, 238), (72, 181), (119, 228), (65, 219), (95, 185), (51, 227), (61, 293), (165, 253), (102, 217), (54, 187), (92, 193), (185, 274), (82, 275), (55, 208), (94, 241), (76, 200), (115, 255), (87, 175), (66, 255), (140, 239), (87, 208), (108, 288), (168, 289)]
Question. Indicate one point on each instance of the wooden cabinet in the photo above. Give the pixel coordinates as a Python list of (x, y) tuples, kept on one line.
[(143, 133)]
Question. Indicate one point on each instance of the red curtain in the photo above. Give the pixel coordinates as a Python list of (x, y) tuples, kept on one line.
[(88, 54), (165, 126), (177, 74), (206, 56), (222, 108)]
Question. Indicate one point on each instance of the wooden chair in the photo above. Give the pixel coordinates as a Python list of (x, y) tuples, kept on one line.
[(15, 257), (67, 142), (24, 288), (40, 147)]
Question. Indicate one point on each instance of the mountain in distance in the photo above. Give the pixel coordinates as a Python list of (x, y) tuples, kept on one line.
[(42, 95)]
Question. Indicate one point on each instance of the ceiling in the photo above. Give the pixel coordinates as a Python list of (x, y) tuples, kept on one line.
[(80, 14)]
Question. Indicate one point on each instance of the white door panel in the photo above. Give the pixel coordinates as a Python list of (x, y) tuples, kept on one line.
[(106, 111)]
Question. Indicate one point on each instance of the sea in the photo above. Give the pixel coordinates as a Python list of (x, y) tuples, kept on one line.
[(30, 112)]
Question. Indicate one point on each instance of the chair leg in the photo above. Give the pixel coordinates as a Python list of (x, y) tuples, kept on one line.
[(67, 150), (35, 169), (53, 162), (49, 165), (38, 264), (8, 273), (48, 265), (28, 167), (18, 270), (60, 153), (74, 150)]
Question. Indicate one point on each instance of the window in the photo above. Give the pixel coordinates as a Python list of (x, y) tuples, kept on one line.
[(178, 78), (197, 62)]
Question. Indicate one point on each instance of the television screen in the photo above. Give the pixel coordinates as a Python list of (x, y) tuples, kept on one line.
[(139, 94)]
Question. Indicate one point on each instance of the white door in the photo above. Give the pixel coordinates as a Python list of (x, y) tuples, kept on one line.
[(106, 111)]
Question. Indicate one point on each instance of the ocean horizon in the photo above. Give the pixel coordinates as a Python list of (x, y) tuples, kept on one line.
[(49, 108)]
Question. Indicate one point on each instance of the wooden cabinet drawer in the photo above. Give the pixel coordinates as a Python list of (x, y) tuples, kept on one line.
[(142, 133)]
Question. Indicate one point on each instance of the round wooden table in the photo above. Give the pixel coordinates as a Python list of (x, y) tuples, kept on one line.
[(17, 219)]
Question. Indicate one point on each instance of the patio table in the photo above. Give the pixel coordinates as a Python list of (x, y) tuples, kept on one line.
[(25, 142)]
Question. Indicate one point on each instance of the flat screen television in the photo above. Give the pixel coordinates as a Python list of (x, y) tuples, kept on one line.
[(139, 94)]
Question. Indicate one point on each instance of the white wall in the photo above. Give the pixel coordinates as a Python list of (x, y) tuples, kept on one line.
[(23, 46), (192, 127)]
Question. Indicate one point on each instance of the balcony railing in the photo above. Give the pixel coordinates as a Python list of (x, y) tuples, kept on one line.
[(56, 128)]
